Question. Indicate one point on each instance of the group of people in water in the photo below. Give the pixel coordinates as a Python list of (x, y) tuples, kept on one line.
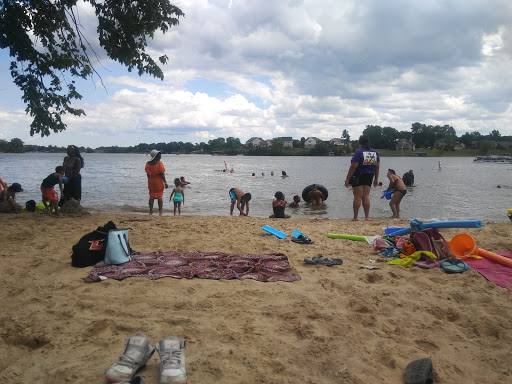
[(67, 176), (362, 174)]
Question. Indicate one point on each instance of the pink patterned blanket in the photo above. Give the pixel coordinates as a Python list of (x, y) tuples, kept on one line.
[(204, 265)]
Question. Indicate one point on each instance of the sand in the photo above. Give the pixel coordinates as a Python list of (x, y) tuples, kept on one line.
[(339, 324)]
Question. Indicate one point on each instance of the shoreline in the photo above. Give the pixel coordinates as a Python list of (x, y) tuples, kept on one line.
[(337, 324)]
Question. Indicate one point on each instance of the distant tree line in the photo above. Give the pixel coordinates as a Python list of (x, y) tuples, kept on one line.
[(423, 136)]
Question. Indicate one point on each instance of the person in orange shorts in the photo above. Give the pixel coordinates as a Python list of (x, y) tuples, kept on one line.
[(156, 180), (3, 185), (48, 189)]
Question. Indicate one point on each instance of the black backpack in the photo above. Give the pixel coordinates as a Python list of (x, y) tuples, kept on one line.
[(91, 248)]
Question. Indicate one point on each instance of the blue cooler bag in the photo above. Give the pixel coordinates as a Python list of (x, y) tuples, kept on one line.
[(118, 249)]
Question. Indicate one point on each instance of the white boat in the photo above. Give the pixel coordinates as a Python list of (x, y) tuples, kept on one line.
[(493, 159)]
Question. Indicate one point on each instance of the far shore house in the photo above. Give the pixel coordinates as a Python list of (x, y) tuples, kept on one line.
[(337, 142), (287, 141), (441, 144), (255, 142), (405, 145), (311, 142)]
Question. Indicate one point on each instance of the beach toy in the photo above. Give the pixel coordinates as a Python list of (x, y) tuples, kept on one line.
[(346, 237), (465, 245), (275, 232), (64, 179), (306, 190), (439, 224), (368, 239), (387, 195)]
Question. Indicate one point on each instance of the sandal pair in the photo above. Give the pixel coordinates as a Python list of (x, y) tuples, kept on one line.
[(320, 260), (302, 239), (454, 266)]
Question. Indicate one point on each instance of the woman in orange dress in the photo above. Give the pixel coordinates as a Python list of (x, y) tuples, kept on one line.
[(156, 180)]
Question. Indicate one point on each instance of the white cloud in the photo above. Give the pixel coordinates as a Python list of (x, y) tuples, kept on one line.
[(301, 68)]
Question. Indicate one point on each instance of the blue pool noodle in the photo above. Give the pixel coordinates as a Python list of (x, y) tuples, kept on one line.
[(441, 224)]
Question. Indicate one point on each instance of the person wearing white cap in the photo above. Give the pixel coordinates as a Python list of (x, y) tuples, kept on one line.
[(156, 180)]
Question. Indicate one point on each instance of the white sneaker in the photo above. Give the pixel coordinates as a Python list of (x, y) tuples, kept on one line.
[(172, 356), (137, 351)]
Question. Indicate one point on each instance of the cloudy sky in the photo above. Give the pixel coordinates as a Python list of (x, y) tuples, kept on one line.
[(297, 68)]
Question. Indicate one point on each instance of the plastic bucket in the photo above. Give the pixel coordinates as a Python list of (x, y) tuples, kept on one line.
[(462, 245), (387, 194)]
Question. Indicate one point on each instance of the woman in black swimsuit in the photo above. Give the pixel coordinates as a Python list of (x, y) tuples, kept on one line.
[(396, 185)]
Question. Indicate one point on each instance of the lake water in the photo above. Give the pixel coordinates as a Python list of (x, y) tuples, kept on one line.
[(461, 190)]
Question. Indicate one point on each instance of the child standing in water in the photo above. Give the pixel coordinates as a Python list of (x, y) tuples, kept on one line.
[(177, 196)]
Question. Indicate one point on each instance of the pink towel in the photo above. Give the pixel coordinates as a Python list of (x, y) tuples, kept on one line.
[(492, 271)]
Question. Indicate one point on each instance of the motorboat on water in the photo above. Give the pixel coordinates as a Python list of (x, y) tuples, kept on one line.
[(493, 159)]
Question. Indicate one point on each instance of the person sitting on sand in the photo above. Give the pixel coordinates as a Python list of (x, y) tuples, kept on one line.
[(3, 185), (183, 181), (8, 202), (399, 190), (315, 195), (48, 189), (295, 202), (283, 174), (241, 200), (278, 206), (10, 192)]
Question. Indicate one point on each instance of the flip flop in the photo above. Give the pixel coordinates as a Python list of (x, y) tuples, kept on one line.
[(428, 263), (455, 266), (320, 260), (302, 239)]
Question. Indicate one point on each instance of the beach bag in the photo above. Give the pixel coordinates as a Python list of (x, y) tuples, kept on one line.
[(431, 240), (118, 248), (90, 249)]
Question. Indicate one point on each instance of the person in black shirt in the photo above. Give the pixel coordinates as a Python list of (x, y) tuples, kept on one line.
[(48, 189)]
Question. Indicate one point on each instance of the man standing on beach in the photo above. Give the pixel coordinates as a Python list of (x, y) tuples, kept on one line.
[(241, 199)]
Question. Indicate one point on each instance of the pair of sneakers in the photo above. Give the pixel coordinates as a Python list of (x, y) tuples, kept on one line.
[(137, 352)]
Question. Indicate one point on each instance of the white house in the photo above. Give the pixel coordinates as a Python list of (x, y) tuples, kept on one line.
[(311, 142), (256, 142), (337, 142), (287, 141), (405, 145)]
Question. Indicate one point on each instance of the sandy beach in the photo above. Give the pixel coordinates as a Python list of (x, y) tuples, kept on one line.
[(340, 324)]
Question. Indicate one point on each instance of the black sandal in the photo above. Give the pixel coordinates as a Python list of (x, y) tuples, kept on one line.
[(320, 260), (302, 239)]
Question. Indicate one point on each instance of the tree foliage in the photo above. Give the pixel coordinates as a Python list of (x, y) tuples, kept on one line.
[(49, 48), (424, 136)]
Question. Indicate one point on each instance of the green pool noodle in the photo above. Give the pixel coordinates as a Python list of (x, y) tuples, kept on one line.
[(346, 237)]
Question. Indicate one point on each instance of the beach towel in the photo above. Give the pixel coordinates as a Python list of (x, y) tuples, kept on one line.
[(492, 271), (204, 265)]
